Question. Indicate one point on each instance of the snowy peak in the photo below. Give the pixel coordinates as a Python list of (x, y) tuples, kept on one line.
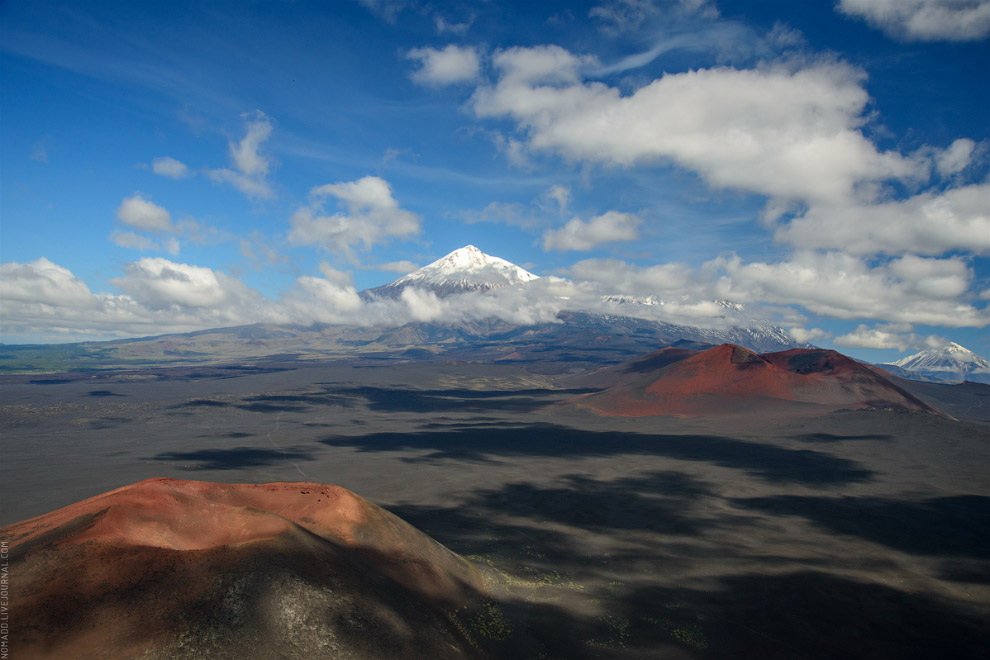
[(463, 270), (949, 363)]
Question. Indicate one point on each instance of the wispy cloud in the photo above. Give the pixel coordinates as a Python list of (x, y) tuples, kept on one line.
[(251, 164)]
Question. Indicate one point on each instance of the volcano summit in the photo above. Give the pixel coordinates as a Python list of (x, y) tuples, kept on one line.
[(463, 270)]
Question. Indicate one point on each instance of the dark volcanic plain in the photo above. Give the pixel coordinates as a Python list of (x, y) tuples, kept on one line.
[(849, 534)]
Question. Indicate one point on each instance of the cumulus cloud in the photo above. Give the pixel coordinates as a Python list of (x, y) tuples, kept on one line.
[(170, 167), (924, 20), (42, 299), (790, 133), (322, 300), (577, 234), (159, 283), (907, 290), (372, 216), (453, 64), (251, 165), (41, 282), (140, 213), (928, 223)]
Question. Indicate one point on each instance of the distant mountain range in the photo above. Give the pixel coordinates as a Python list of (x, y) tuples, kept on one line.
[(950, 364), (572, 341)]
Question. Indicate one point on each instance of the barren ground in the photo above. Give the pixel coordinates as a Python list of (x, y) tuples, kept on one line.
[(855, 534)]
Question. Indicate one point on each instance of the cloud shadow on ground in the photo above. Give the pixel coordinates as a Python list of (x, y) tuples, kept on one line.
[(234, 458), (766, 461), (941, 526)]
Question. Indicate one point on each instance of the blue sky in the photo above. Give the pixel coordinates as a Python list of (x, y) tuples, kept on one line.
[(171, 166)]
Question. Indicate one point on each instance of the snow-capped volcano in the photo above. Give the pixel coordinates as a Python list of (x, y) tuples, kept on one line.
[(466, 269), (953, 363)]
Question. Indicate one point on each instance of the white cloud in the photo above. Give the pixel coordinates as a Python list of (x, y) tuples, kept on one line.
[(40, 282), (158, 283), (808, 335), (866, 337), (453, 64), (138, 212), (793, 134), (910, 289), (251, 165), (577, 234), (319, 299), (907, 290), (170, 167), (896, 336), (956, 158), (373, 216), (929, 223), (924, 20)]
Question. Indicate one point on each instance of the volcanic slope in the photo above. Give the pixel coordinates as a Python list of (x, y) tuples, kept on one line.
[(729, 379), (169, 568)]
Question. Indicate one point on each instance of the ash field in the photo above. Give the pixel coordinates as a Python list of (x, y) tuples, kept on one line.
[(786, 531)]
